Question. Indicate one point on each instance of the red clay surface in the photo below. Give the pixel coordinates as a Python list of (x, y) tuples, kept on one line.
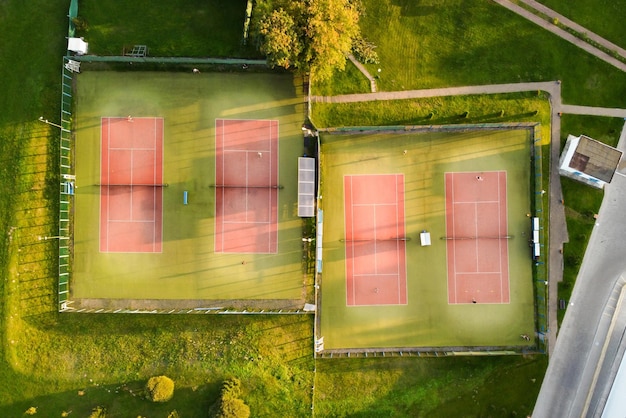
[(131, 209), (375, 258), (246, 156), (478, 262)]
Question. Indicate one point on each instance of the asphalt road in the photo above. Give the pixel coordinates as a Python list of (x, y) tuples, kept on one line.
[(582, 336)]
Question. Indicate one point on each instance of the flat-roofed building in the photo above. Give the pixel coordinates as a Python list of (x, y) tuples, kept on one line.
[(589, 161)]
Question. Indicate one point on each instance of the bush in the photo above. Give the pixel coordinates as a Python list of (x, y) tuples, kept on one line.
[(364, 50), (80, 24), (160, 389), (229, 405), (232, 408), (98, 412)]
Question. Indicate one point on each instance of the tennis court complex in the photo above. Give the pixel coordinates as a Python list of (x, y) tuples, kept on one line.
[(426, 238), (179, 200)]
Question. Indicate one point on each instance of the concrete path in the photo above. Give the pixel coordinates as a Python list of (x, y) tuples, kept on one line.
[(594, 111), (549, 26), (586, 334), (364, 71)]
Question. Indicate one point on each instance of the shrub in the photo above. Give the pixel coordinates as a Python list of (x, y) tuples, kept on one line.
[(229, 405), (98, 412), (364, 50), (80, 24), (160, 389)]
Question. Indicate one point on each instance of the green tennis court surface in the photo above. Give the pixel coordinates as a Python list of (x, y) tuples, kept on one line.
[(427, 319), (187, 268)]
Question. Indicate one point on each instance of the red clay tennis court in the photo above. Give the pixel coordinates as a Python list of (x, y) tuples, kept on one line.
[(131, 180), (477, 237), (246, 189), (375, 240)]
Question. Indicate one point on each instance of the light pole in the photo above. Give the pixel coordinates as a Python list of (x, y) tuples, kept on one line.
[(55, 237), (46, 121)]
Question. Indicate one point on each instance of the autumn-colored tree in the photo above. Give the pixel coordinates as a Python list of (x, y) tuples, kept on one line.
[(310, 35)]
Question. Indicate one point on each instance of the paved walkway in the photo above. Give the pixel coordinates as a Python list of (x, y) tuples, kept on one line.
[(364, 71)]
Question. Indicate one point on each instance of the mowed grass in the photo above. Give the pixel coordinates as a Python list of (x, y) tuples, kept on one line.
[(178, 28), (428, 387), (477, 109), (459, 42), (605, 18)]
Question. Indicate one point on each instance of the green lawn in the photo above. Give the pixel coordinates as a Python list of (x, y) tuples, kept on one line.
[(428, 387), (179, 28), (601, 17), (459, 42)]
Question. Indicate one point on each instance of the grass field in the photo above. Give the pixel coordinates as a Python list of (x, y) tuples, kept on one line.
[(427, 45), (428, 320), (48, 358), (187, 268), (177, 28), (600, 17)]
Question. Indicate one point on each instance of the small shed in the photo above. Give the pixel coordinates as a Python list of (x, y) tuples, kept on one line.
[(589, 161), (77, 45)]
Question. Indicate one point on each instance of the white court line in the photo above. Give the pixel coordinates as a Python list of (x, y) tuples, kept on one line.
[(476, 233), (453, 234), (137, 221), (376, 204), (239, 150), (475, 202), (108, 173), (131, 149), (248, 222), (352, 260), (500, 234), (374, 274)]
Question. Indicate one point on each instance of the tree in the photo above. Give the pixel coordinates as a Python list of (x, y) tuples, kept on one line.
[(281, 43), (160, 389), (228, 404), (310, 35)]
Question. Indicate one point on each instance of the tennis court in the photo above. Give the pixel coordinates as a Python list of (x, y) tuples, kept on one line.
[(477, 237), (151, 226), (131, 192), (375, 242), (246, 173), (385, 287)]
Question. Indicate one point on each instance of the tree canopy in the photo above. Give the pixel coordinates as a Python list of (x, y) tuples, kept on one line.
[(310, 35)]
